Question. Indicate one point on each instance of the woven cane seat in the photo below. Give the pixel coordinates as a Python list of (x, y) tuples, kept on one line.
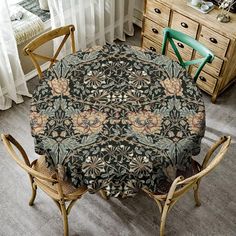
[(194, 169), (41, 167)]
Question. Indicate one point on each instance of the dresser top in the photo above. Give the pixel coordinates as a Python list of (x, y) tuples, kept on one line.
[(209, 19)]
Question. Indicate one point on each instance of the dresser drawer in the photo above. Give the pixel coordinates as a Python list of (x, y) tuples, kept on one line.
[(217, 43), (184, 50), (148, 44), (184, 24), (158, 12), (214, 68), (153, 31), (205, 81)]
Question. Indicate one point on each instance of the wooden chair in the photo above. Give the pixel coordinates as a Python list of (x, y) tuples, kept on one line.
[(30, 48), (180, 186), (208, 56), (45, 179)]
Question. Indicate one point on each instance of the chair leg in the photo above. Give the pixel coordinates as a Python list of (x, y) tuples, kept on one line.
[(34, 192), (103, 194), (196, 194), (163, 219), (168, 204), (65, 219)]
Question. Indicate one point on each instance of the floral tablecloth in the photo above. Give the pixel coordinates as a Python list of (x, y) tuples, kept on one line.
[(118, 118)]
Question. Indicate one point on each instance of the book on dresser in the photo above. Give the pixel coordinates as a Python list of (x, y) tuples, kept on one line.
[(219, 37)]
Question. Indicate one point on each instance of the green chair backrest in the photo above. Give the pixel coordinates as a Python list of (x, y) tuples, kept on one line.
[(208, 56)]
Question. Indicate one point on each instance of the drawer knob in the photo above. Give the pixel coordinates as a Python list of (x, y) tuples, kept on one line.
[(180, 45), (158, 11), (183, 24), (155, 31), (202, 78), (213, 40), (153, 49)]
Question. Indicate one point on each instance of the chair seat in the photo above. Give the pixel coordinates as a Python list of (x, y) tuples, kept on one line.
[(41, 166), (165, 185), (195, 168)]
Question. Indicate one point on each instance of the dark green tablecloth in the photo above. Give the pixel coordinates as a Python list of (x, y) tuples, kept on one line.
[(119, 118)]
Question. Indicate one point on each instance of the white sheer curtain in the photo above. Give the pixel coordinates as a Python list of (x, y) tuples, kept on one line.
[(12, 80), (96, 21)]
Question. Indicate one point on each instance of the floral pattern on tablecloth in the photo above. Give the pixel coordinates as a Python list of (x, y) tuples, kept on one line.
[(118, 118)]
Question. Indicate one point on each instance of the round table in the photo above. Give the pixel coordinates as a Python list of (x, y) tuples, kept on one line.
[(118, 118)]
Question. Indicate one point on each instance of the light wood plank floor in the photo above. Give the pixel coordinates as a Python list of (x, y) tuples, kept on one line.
[(93, 216)]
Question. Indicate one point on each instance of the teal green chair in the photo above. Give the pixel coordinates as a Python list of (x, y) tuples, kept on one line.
[(208, 56)]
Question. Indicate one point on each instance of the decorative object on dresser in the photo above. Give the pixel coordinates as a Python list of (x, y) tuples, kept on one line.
[(200, 5), (216, 36), (219, 2), (225, 7)]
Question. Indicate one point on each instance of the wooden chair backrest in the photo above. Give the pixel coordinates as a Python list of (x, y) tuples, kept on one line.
[(38, 177), (187, 183), (46, 37), (9, 143), (180, 185), (170, 34)]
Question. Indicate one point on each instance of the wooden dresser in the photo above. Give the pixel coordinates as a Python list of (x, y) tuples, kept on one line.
[(219, 37)]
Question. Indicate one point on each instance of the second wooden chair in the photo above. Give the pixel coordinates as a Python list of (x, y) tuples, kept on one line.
[(30, 48), (47, 180), (182, 185)]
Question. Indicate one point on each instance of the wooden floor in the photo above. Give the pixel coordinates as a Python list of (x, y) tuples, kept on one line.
[(139, 216)]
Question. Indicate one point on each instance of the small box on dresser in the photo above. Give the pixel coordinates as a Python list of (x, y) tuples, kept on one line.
[(219, 37)]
